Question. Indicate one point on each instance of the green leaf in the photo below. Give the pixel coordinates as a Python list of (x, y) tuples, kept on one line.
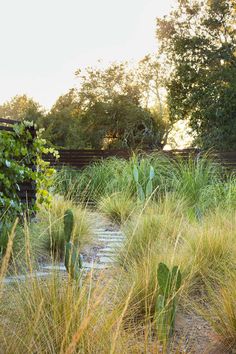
[(136, 174), (163, 277), (8, 163), (151, 173), (149, 189), (141, 194)]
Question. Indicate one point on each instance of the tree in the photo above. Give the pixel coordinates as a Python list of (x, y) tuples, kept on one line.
[(21, 108), (121, 123), (110, 109), (116, 108), (62, 123), (103, 85), (198, 43)]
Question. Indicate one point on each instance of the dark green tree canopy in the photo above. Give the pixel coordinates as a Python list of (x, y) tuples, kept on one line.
[(62, 123), (116, 107), (121, 123), (110, 109), (198, 44), (115, 101)]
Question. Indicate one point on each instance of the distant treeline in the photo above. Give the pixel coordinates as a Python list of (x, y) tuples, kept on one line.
[(191, 78)]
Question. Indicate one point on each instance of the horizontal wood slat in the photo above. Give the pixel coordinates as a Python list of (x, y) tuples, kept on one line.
[(9, 129), (79, 159), (8, 121)]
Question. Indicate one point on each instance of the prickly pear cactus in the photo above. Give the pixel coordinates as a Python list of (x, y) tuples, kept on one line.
[(68, 224), (169, 282), (73, 260), (143, 194)]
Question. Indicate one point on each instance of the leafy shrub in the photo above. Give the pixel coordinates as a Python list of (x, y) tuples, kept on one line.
[(20, 150)]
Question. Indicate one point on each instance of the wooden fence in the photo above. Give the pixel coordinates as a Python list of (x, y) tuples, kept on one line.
[(78, 159), (27, 189)]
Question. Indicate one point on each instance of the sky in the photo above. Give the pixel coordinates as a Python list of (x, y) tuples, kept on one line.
[(43, 42)]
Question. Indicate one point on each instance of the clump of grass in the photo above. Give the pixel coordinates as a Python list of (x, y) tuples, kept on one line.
[(118, 207), (53, 316), (52, 222), (209, 247), (189, 178), (221, 195), (192, 176), (57, 316), (158, 226), (26, 232), (220, 311), (95, 181)]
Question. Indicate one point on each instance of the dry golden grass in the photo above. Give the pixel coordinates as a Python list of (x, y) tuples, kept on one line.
[(220, 311), (118, 207), (52, 223), (113, 312)]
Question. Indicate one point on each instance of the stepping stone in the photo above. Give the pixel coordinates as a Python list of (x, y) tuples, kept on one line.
[(59, 267), (110, 235), (106, 254), (109, 240), (107, 233), (106, 260), (15, 278), (108, 249), (88, 265)]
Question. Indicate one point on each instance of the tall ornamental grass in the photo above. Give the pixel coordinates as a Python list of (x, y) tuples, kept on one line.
[(194, 180)]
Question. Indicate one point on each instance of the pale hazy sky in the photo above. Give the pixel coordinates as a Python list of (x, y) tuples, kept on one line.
[(43, 42)]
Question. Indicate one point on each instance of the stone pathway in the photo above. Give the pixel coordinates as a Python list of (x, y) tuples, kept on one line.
[(107, 239)]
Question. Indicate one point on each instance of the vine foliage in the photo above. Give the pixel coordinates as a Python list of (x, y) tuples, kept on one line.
[(21, 160)]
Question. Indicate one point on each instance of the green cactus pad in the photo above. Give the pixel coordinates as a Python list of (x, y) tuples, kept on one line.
[(163, 277), (176, 277), (68, 224), (73, 262), (136, 174)]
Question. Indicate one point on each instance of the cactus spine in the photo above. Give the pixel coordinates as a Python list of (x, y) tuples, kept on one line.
[(169, 282), (73, 260)]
